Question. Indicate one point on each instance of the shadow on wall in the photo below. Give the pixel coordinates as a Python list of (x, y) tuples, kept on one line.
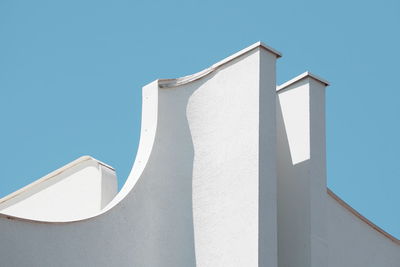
[(164, 193), (151, 226), (291, 183)]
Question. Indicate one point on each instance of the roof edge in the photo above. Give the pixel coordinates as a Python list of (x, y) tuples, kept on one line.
[(300, 77), (52, 175), (170, 83), (248, 49), (362, 218)]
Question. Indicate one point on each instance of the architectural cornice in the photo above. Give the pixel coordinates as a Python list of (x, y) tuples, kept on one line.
[(300, 77), (170, 83)]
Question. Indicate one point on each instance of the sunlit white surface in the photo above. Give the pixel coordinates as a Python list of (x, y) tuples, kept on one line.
[(84, 186), (230, 171)]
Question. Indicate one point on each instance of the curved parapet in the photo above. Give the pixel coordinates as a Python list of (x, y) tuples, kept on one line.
[(170, 83), (230, 171), (202, 188)]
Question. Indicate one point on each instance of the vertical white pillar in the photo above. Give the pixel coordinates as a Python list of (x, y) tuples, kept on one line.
[(301, 172), (231, 115), (268, 243)]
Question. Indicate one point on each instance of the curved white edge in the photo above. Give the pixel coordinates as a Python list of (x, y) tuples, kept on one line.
[(147, 135), (362, 218), (300, 77), (149, 126), (170, 83), (146, 141), (148, 129)]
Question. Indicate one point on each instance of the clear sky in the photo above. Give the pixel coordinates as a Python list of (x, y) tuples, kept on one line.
[(71, 74)]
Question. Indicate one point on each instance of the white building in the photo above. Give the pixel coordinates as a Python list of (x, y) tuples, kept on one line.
[(230, 171)]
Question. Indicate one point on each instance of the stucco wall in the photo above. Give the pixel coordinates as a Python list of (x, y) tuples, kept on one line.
[(314, 228), (230, 171), (301, 172), (197, 194)]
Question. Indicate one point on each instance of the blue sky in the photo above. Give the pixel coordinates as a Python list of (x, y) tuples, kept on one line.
[(71, 74)]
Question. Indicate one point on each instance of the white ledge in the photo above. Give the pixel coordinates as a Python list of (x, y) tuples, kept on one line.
[(302, 76), (170, 83), (52, 175)]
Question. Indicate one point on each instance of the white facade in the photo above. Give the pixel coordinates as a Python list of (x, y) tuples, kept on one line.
[(230, 171), (84, 186)]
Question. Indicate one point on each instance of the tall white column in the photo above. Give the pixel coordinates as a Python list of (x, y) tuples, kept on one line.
[(231, 116), (301, 172)]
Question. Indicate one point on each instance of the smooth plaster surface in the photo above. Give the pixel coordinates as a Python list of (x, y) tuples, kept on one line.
[(85, 186), (230, 171), (194, 194)]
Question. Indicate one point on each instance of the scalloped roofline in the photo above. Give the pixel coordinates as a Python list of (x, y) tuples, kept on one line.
[(167, 83), (300, 77), (170, 83)]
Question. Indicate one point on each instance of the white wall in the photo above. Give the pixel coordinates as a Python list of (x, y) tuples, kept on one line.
[(229, 172), (301, 172), (234, 176), (82, 187), (202, 191), (314, 228)]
